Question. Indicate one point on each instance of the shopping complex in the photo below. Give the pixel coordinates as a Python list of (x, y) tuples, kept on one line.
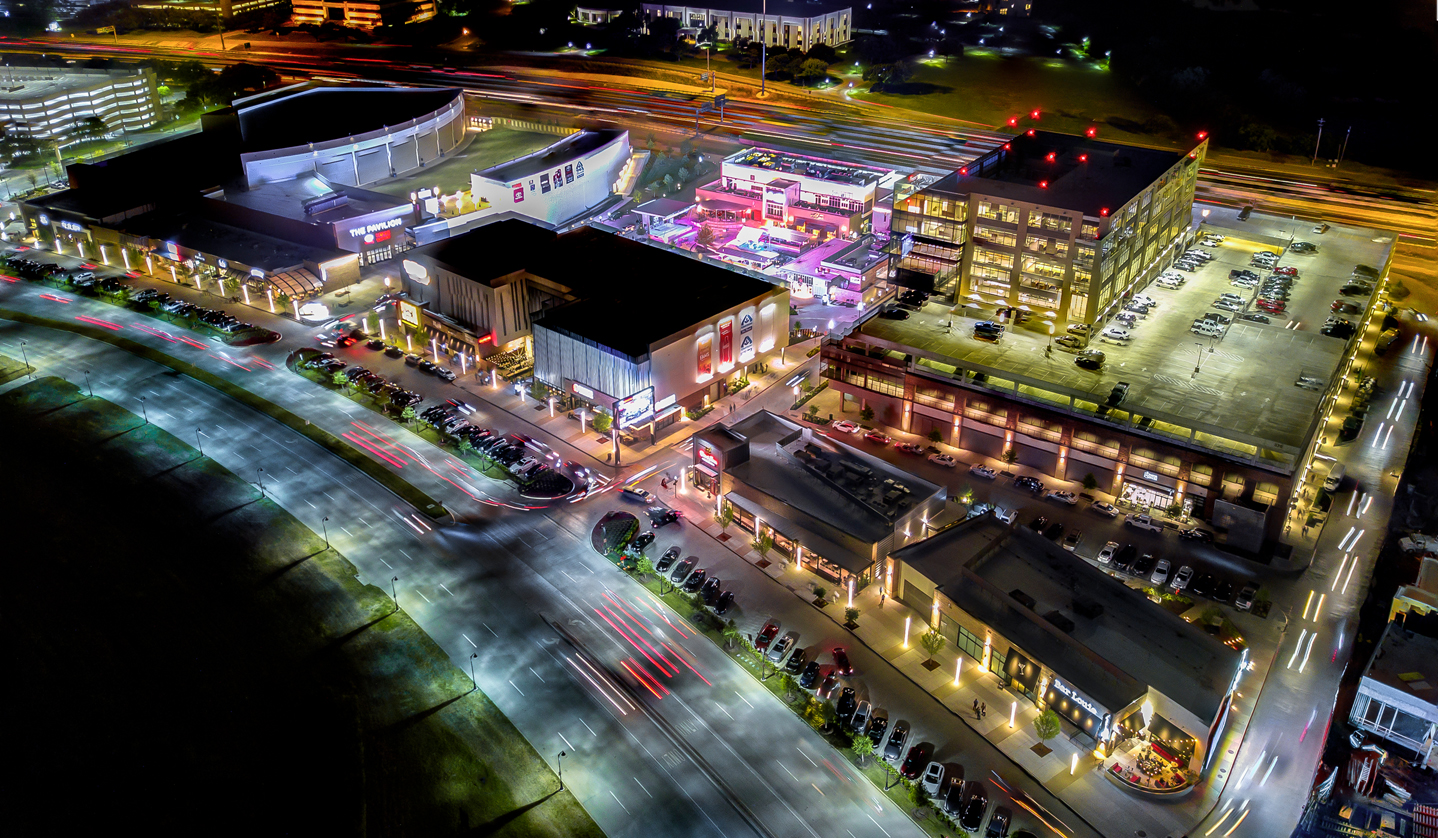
[(1130, 679)]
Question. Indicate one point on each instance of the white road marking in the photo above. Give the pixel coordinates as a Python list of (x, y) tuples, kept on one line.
[(537, 675), (721, 709), (446, 589), (387, 564), (491, 631), (407, 556), (426, 599), (312, 506), (786, 769), (291, 471), (620, 802), (876, 823), (588, 728), (566, 741), (641, 785), (516, 689), (348, 533), (363, 521), (471, 642), (806, 756), (743, 699)]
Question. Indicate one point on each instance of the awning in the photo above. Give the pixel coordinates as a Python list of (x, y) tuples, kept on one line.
[(700, 467), (300, 283)]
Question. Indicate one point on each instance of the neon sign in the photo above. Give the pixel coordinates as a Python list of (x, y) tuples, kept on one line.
[(1076, 698)]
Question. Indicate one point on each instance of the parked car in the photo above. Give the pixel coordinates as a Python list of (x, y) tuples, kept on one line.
[(664, 518), (981, 470), (1106, 554), (1071, 541), (846, 705), (943, 460), (766, 635), (711, 589), (1160, 573), (1106, 509), (782, 646), (933, 778), (878, 436), (810, 676), (914, 763), (667, 560), (841, 661), (1142, 522), (1062, 497), (1038, 524), (1182, 578), (845, 426), (976, 803), (1053, 531), (999, 822), (1245, 599), (643, 540), (1196, 534), (1203, 586), (954, 797), (894, 749), (1032, 484), (796, 662), (878, 724), (860, 720), (681, 571), (908, 448), (1145, 565)]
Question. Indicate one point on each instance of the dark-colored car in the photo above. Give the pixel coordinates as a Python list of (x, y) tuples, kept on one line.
[(726, 599), (1246, 597), (695, 581), (667, 560), (1038, 524), (894, 314), (1195, 534), (1203, 586), (681, 570), (954, 797), (1032, 484), (877, 725), (1053, 531), (766, 635), (374, 343), (898, 738), (1224, 592), (710, 590), (394, 352), (976, 802), (796, 662), (1123, 560), (915, 762), (999, 822), (668, 516), (1145, 565), (810, 676), (426, 367), (847, 704), (643, 540), (826, 689), (841, 661)]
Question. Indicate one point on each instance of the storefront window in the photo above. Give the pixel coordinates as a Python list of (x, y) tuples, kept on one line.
[(970, 644)]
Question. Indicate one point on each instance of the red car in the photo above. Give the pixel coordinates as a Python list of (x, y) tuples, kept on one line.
[(841, 661), (879, 437), (1286, 271), (1272, 306), (766, 635), (909, 448)]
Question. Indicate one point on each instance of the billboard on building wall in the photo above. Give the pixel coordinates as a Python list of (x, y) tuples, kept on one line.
[(726, 342), (409, 313), (636, 409), (704, 345), (569, 173), (706, 455), (518, 193), (544, 183), (746, 335)]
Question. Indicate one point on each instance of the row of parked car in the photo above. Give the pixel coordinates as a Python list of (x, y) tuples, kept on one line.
[(684, 575), (1159, 572), (215, 318), (361, 377)]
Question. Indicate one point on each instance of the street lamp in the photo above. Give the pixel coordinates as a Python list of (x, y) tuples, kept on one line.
[(562, 755), (471, 671), (87, 384), (260, 475), (26, 356), (144, 411), (393, 594), (325, 525)]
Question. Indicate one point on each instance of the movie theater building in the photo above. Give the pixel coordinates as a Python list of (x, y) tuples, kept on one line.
[(1124, 673), (559, 183)]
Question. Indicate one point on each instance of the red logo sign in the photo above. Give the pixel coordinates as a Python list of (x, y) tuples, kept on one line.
[(706, 457), (519, 193), (382, 235), (726, 343)]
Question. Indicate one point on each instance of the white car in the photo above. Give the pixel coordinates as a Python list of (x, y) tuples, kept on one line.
[(1142, 522), (1181, 579), (1063, 497), (846, 426), (1160, 572), (1008, 516), (1106, 554), (981, 470), (933, 778), (1105, 509), (943, 460), (1145, 300), (1116, 333), (636, 493)]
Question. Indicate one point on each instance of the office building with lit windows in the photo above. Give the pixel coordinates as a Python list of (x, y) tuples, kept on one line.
[(362, 14), (1059, 225), (51, 102), (767, 188), (791, 24)]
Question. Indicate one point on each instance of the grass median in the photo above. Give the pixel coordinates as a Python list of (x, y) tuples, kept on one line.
[(391, 481), (198, 660)]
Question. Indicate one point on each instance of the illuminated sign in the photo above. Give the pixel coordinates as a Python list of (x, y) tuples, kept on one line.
[(706, 456), (44, 220), (72, 226), (726, 343), (636, 409), (381, 236), (558, 178), (582, 390), (222, 263), (544, 183), (746, 335), (417, 272), (1148, 475), (1076, 698), (409, 312), (705, 346), (518, 189), (257, 272), (569, 174), (665, 402), (377, 226)]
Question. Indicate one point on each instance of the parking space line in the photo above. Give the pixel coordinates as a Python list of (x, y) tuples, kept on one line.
[(471, 642)]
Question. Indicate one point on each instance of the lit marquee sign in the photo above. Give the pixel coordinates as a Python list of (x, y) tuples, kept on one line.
[(71, 226), (378, 226), (636, 409), (707, 457), (409, 313), (726, 343), (746, 335), (417, 272)]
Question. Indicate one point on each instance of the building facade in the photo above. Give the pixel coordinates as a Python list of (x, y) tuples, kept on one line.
[(360, 14), (1061, 225), (557, 183), (821, 198), (50, 103), (1395, 701), (791, 24)]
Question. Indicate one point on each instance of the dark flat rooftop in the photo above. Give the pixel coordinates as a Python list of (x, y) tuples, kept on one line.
[(334, 113), (627, 291), (544, 160), (186, 228), (287, 199), (1084, 175), (1133, 643)]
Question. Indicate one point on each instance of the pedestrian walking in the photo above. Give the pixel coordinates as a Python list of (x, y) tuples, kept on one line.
[(977, 714), (983, 710)]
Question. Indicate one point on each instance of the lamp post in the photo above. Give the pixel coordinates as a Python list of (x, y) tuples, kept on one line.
[(472, 680), (199, 444), (394, 594), (260, 476), (87, 384), (25, 355), (325, 524), (764, 48), (561, 770), (144, 411)]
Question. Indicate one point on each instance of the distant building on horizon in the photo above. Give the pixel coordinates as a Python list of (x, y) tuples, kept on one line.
[(51, 102), (790, 24), (359, 14)]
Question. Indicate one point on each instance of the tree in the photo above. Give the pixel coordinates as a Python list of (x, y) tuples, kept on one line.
[(682, 175), (886, 76), (936, 435), (407, 414), (340, 379), (867, 414), (1046, 726), (707, 235), (601, 422), (827, 714), (822, 52), (1010, 456), (644, 567), (764, 543), (932, 642), (732, 635), (465, 446), (813, 411), (851, 616), (810, 69), (863, 747), (90, 128), (789, 686), (1090, 482), (725, 516)]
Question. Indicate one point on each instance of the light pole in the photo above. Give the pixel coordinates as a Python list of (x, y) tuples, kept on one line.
[(144, 411), (87, 384), (260, 475), (199, 444), (325, 525), (471, 675), (1319, 141), (561, 770), (394, 594), (26, 356)]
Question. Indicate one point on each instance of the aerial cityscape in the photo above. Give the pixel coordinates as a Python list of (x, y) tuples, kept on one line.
[(776, 418)]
